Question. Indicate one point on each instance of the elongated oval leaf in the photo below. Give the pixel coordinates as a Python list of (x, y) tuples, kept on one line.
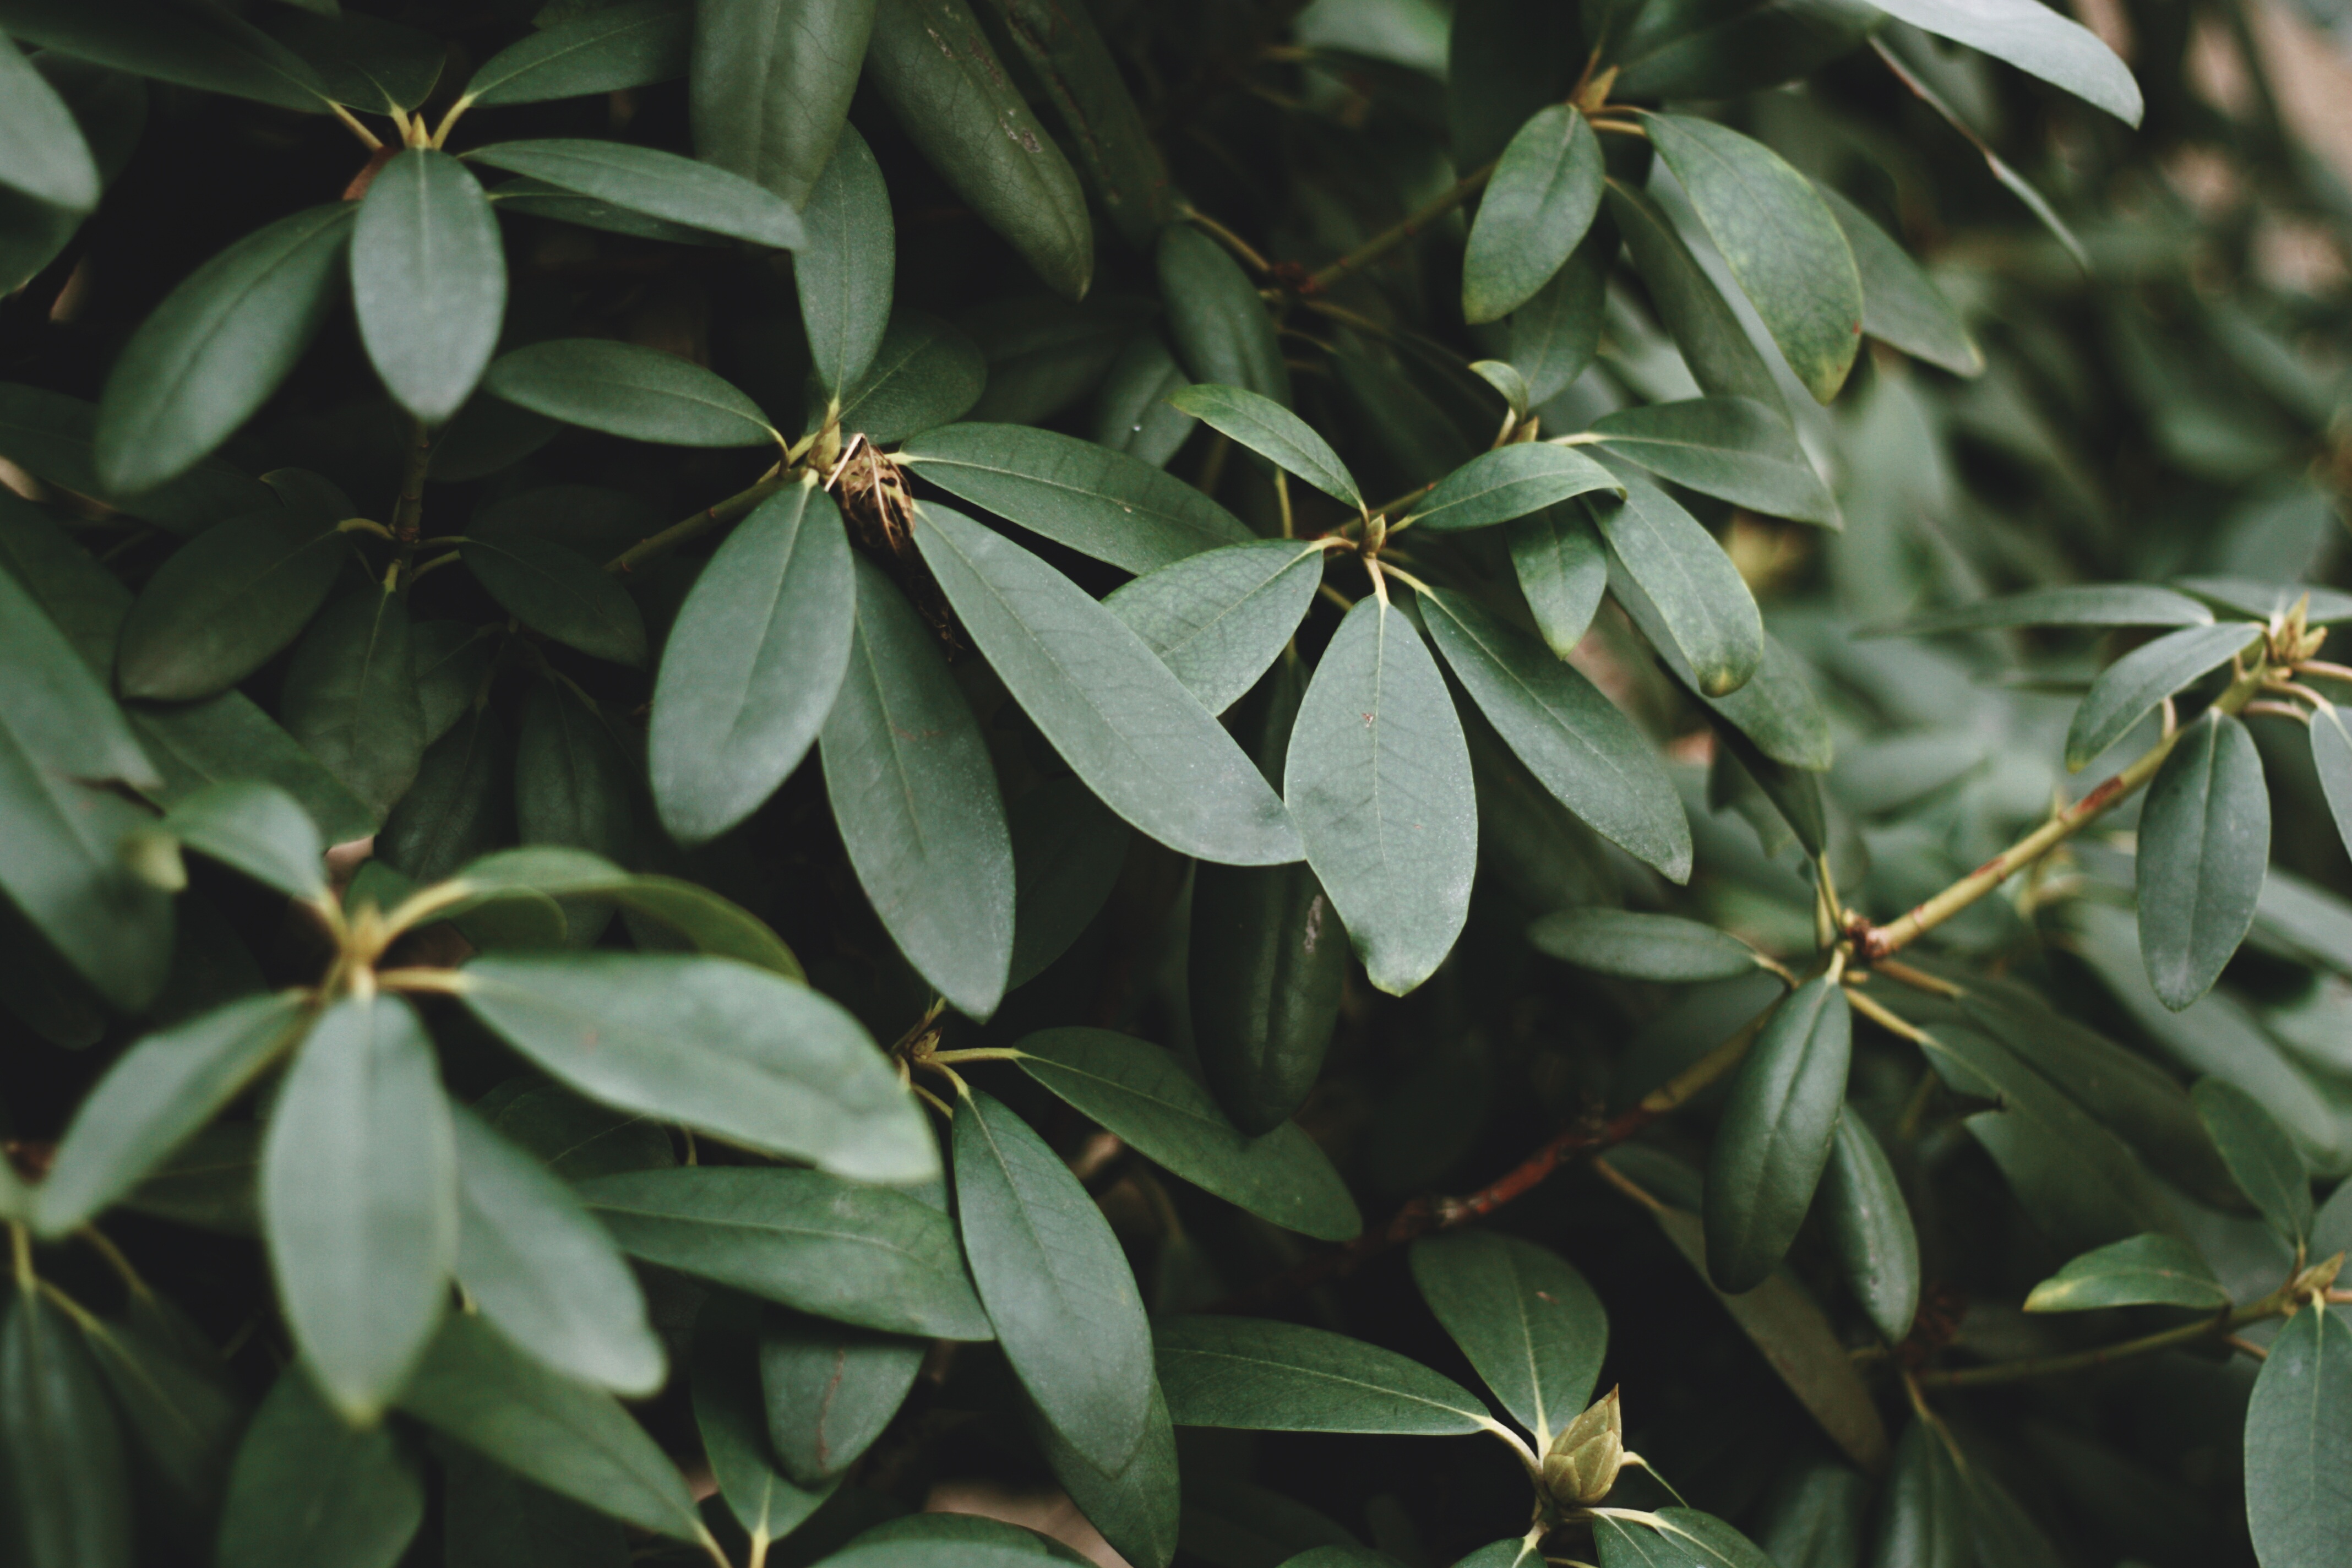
[(216, 348), (1643, 947), (1219, 620), (830, 1390), (1563, 571), (2331, 759), (1524, 1316), (1572, 739), (1274, 433), (752, 664), (2033, 38), (926, 373), (1878, 1250), (1118, 716), (626, 390), (2204, 840), (1098, 501), (839, 1250), (1537, 208), (1266, 1376), (1508, 482), (605, 49), (560, 592), (2128, 689), (353, 697), (1132, 414), (1054, 1281), (2298, 1442), (308, 1488), (1377, 777), (1137, 1507), (2086, 605), (2139, 1271), (1071, 61), (259, 829), (770, 88), (69, 1487), (1219, 325), (845, 268), (1674, 1538), (1708, 614), (1923, 1518), (730, 1416), (1139, 1092), (429, 280), (1721, 357), (1776, 1134), (1734, 447), (42, 152), (226, 603), (735, 1051), (1554, 334), (359, 1190), (660, 184), (211, 51), (2262, 1158), (1900, 304)]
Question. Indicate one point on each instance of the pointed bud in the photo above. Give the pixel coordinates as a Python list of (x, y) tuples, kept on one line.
[(1582, 1462)]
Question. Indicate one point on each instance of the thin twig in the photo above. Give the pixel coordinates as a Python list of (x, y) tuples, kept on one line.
[(1397, 234)]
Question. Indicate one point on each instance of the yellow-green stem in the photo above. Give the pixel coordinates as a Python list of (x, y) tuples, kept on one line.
[(1397, 234), (717, 516)]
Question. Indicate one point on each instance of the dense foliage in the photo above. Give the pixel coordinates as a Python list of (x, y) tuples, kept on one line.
[(535, 1033)]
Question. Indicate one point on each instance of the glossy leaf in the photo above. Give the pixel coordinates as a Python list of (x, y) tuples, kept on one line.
[(1782, 1119), (660, 184), (2204, 840), (1219, 325), (1922, 1519), (226, 602), (1900, 304), (1054, 1281), (1377, 777), (604, 49), (769, 93), (626, 390), (1674, 1538), (1706, 609), (1139, 1093), (830, 1390), (1524, 1316), (732, 1050), (1643, 946), (560, 592), (1563, 571), (2130, 688), (1869, 1223), (845, 270), (1510, 481), (2033, 38), (1219, 620), (1541, 200), (925, 374), (65, 1482), (2262, 1157), (2298, 1436), (1064, 656), (309, 1489), (429, 280), (839, 1250), (1728, 447), (1101, 502), (1274, 433), (2139, 1271), (1267, 1376)]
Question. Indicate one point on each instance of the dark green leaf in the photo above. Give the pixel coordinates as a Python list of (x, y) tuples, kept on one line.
[(735, 1051), (63, 1478), (839, 1250), (429, 280), (351, 697), (1705, 608), (1054, 1281), (831, 1390), (932, 63), (1554, 334), (1220, 326), (1069, 59), (951, 1540), (359, 1189), (55, 439), (492, 1518), (1065, 657), (1510, 481), (1571, 738), (259, 829), (1674, 1538), (1816, 1522), (212, 51), (373, 65), (603, 49), (1782, 1116), (2298, 1440), (1524, 1316), (1098, 501), (1878, 1250), (707, 923), (1922, 1519), (1219, 620), (42, 152), (2128, 688), (209, 1184), (770, 91), (2331, 759), (1133, 412), (1266, 1376), (449, 658), (308, 1491), (628, 390), (1537, 208), (2033, 38), (924, 374), (1722, 48), (731, 1418), (660, 184), (1139, 1092), (845, 268), (2088, 604), (1563, 570), (1377, 775), (2204, 840), (1136, 1507), (2262, 1158), (1274, 433), (2136, 1271), (1722, 359), (560, 592), (1728, 447), (2262, 600), (226, 602), (175, 1398), (1900, 304), (1643, 947), (461, 804)]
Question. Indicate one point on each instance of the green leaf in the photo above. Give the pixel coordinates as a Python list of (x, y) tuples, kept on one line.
[(562, 593), (731, 1418), (932, 63), (606, 48), (2137, 1271), (42, 152), (1776, 714), (2298, 1439), (310, 1491), (1776, 1130), (1701, 602), (1554, 334), (951, 1540), (1377, 777), (2204, 842), (229, 737), (2331, 759), (831, 1390), (1524, 1316), (492, 1518), (259, 829), (1715, 50), (176, 1399), (226, 602), (429, 280), (2262, 600), (543, 1271), (1136, 1507), (924, 374), (1733, 448), (55, 439), (1069, 60), (1219, 620), (209, 1184), (1674, 1538), (1722, 359), (708, 923), (1139, 1093), (1922, 1521), (1643, 947), (64, 1480), (2034, 39), (209, 50), (1900, 304), (1787, 252), (1054, 1281), (623, 389), (1101, 502), (461, 804), (1274, 433), (216, 348), (915, 797), (1510, 481), (2128, 689), (1870, 1225), (449, 659), (572, 788), (1266, 1376), (845, 268), (156, 1099), (372, 65), (839, 1250), (1563, 570), (769, 92), (1571, 738), (351, 697), (752, 664), (1132, 414), (2262, 1158), (659, 184), (358, 1190), (476, 1387), (2085, 605), (537, 198), (1536, 209), (1065, 658), (729, 1050), (1219, 325), (1817, 1519)]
